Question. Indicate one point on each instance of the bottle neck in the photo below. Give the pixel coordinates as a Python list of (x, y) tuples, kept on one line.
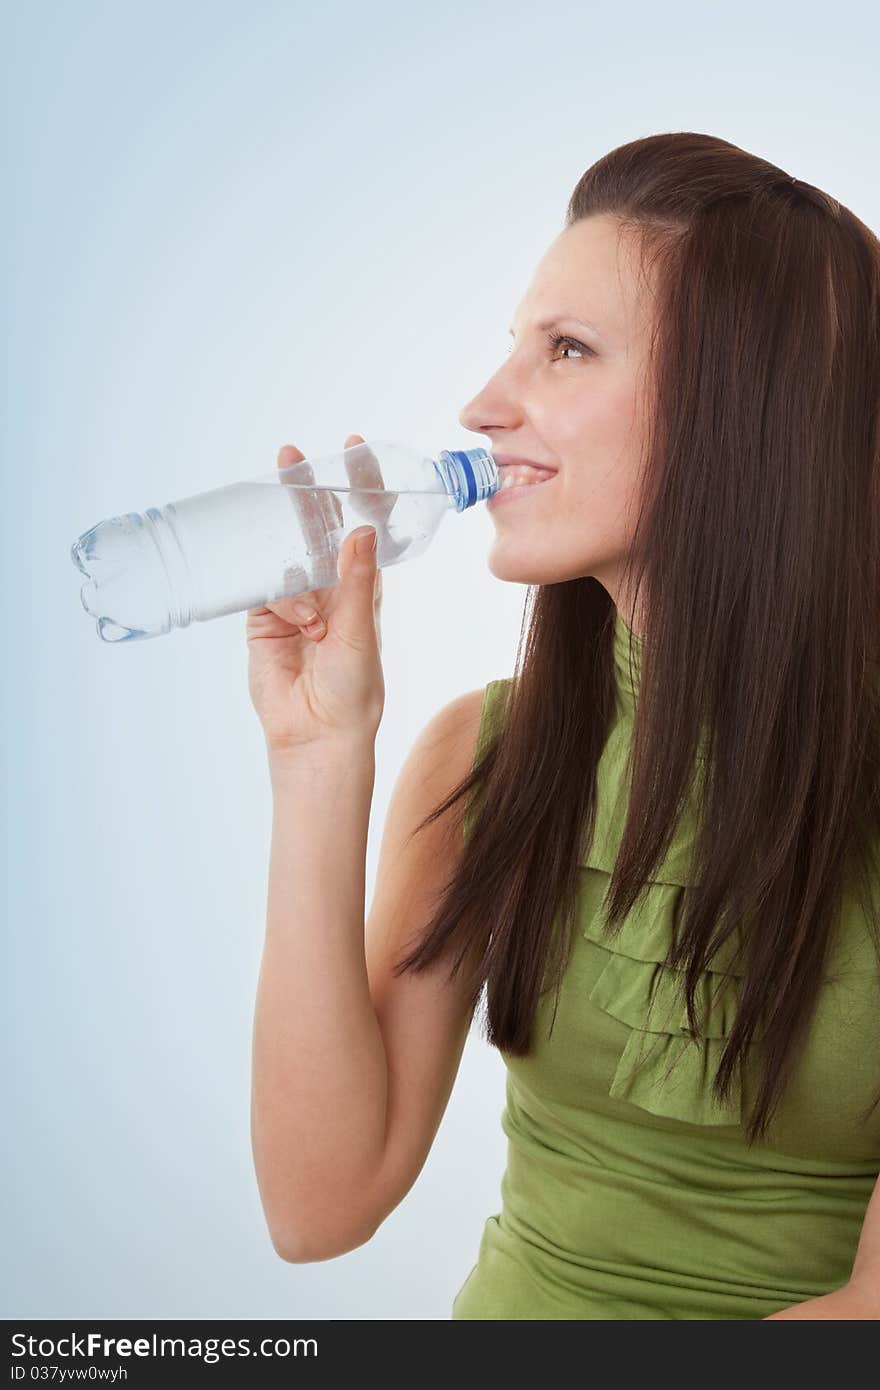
[(468, 475)]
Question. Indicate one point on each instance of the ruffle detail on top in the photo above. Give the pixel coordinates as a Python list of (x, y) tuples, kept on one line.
[(663, 1068)]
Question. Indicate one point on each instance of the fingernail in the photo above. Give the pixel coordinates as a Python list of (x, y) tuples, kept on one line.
[(365, 542), (304, 614)]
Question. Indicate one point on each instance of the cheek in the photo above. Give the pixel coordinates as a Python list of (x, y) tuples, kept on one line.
[(604, 489), (590, 426), (586, 531), (598, 526), (597, 509)]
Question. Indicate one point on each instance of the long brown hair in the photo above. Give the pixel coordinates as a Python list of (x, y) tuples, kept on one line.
[(758, 544)]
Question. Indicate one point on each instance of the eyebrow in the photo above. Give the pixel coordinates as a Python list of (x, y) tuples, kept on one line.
[(556, 322)]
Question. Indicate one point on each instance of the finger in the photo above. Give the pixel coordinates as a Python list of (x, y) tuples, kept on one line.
[(372, 500), (272, 622), (367, 496), (288, 457), (311, 622), (318, 513), (289, 454), (365, 476)]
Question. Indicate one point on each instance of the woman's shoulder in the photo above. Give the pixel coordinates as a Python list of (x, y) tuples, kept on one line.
[(452, 738)]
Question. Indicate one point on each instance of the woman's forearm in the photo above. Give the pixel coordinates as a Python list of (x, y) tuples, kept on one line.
[(319, 1074), (847, 1304)]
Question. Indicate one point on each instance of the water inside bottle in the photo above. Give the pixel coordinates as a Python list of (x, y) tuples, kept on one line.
[(235, 548)]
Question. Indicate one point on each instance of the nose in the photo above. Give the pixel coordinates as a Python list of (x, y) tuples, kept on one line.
[(492, 407), (470, 415)]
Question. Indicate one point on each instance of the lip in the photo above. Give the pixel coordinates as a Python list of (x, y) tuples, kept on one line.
[(509, 493), (510, 461)]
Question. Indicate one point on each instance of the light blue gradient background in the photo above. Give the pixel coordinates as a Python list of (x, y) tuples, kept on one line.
[(228, 227)]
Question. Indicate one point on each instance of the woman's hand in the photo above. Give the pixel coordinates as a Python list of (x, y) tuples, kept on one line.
[(314, 662)]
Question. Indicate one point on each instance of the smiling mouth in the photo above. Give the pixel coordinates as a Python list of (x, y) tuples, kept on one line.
[(513, 487), (523, 475)]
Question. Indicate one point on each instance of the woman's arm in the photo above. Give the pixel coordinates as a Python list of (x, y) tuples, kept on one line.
[(860, 1296)]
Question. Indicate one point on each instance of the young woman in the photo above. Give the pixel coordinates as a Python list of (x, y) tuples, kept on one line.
[(655, 844)]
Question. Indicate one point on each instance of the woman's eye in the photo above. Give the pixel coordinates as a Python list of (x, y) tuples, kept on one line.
[(557, 341)]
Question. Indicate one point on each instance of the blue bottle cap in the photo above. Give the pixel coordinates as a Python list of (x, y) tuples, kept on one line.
[(472, 473)]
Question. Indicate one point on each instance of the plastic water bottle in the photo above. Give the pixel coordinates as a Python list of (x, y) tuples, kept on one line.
[(269, 538)]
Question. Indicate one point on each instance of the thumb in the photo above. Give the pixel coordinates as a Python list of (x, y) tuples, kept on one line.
[(356, 568), (357, 556)]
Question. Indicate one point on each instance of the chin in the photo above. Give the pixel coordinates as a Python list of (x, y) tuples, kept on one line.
[(519, 569)]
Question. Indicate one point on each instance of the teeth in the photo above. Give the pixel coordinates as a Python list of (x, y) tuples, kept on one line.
[(519, 477)]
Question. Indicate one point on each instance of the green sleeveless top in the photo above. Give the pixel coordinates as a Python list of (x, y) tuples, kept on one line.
[(628, 1191)]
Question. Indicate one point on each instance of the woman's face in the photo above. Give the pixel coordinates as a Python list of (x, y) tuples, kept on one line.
[(577, 408)]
